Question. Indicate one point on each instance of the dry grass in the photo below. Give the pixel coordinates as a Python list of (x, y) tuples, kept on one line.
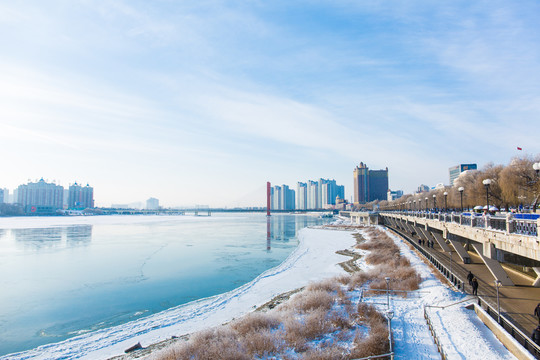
[(289, 331), (308, 301)]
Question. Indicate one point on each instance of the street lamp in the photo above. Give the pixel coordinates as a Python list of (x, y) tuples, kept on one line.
[(445, 203), (390, 315), (387, 279), (536, 167), (426, 204), (461, 189), (486, 183), (498, 284), (434, 201)]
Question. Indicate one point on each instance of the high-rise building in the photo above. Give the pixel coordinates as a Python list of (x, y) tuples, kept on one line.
[(1, 196), (301, 196), (369, 185), (282, 198), (393, 195), (329, 191), (454, 171), (80, 197), (40, 197), (313, 194), (361, 184), (152, 204), (378, 184)]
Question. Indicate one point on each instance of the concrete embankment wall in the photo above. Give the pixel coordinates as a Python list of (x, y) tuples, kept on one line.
[(505, 338)]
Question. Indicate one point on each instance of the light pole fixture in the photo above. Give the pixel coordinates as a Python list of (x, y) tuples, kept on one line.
[(498, 284), (536, 167), (389, 316), (486, 183), (445, 203), (426, 203), (461, 189), (434, 202), (387, 279)]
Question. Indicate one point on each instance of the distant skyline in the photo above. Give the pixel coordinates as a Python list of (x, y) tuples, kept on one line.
[(203, 102)]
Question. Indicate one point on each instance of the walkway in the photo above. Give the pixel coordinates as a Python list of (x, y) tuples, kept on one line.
[(517, 302)]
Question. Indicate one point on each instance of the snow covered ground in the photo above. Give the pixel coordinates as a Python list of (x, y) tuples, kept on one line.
[(462, 335)]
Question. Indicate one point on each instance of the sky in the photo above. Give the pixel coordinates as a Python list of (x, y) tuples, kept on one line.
[(202, 102)]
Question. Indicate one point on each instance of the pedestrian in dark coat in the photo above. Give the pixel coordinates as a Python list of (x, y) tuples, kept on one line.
[(537, 312), (474, 284), (470, 277), (536, 335)]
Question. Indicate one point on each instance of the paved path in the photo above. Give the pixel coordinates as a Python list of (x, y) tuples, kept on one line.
[(517, 302)]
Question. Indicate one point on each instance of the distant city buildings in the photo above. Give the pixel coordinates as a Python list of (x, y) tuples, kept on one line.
[(152, 204), (301, 196), (454, 171), (393, 195), (80, 197), (40, 198), (422, 188), (369, 185), (282, 198), (313, 194), (2, 196)]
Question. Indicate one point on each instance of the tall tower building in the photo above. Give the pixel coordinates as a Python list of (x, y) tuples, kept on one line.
[(80, 197), (40, 197), (301, 196), (313, 194), (361, 184), (369, 185), (378, 184)]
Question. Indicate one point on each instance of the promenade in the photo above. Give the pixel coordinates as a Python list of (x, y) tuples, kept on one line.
[(517, 302)]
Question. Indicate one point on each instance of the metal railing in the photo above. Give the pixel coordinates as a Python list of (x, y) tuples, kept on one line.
[(510, 328), (506, 323), (434, 335), (520, 224)]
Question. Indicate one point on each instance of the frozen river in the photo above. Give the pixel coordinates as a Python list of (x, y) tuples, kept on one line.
[(65, 276)]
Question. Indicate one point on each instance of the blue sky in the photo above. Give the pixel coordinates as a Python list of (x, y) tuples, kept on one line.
[(202, 102)]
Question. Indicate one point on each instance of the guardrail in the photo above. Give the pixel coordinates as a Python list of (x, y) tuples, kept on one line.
[(506, 323), (510, 328), (434, 335), (520, 224)]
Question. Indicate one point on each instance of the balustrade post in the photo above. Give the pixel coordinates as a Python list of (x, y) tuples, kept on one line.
[(538, 228), (509, 223), (486, 221)]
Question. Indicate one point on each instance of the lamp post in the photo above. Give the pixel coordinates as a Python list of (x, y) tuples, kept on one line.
[(426, 203), (387, 279), (498, 284), (390, 315), (445, 203), (434, 202), (536, 167), (461, 189), (486, 183)]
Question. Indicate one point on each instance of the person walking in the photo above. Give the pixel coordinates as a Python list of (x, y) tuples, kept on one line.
[(474, 284), (470, 277), (537, 312), (536, 335)]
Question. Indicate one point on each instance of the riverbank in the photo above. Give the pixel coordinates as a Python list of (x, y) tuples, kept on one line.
[(315, 258)]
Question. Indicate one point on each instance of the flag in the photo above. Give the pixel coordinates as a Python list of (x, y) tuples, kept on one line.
[(519, 148)]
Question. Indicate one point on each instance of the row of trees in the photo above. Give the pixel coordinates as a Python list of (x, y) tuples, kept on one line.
[(511, 186)]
